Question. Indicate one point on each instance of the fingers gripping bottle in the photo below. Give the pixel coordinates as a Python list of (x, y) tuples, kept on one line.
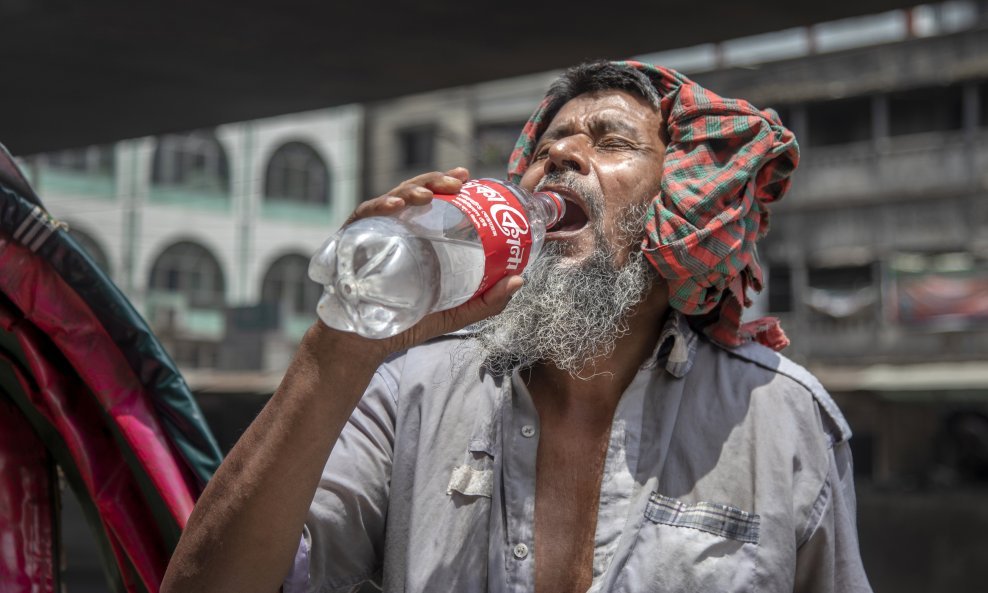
[(383, 274)]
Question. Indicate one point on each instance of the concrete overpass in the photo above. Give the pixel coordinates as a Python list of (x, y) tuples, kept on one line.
[(79, 73)]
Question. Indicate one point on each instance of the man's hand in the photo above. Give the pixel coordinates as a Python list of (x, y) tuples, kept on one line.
[(416, 192)]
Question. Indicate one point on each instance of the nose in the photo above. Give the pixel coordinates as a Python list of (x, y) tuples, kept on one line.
[(568, 154)]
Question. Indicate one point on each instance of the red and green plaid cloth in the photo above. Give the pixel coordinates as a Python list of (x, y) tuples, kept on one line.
[(725, 162)]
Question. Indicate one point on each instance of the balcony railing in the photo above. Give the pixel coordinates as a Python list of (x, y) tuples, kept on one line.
[(915, 165), (870, 339)]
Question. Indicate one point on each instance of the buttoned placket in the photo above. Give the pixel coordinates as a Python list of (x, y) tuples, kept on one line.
[(521, 443), (621, 486)]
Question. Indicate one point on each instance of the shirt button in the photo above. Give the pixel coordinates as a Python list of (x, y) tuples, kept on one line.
[(528, 430), (521, 550)]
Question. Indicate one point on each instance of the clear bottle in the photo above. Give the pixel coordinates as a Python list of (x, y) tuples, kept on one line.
[(383, 274)]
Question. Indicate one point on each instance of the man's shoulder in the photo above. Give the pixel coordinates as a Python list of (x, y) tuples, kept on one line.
[(442, 351), (441, 391), (785, 375), (451, 360)]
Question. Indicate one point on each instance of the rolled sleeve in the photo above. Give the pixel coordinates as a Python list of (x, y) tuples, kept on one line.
[(298, 578)]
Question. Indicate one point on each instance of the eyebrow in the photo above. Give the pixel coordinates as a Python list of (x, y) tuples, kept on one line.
[(611, 125), (598, 126)]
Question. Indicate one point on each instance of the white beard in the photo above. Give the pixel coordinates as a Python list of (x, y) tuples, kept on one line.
[(566, 314)]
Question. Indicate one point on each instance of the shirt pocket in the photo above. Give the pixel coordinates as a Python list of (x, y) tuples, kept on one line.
[(475, 476), (700, 546)]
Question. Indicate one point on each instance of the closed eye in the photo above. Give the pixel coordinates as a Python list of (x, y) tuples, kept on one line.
[(616, 144)]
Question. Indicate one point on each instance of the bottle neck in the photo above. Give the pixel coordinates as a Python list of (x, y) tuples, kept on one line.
[(547, 206), (550, 205)]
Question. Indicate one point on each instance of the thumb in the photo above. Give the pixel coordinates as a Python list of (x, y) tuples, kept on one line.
[(490, 303)]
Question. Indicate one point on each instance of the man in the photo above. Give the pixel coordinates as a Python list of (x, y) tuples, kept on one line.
[(614, 429)]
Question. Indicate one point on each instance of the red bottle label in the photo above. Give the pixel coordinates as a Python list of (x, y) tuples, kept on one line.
[(503, 227)]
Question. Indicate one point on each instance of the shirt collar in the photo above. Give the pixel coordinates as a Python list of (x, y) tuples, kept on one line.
[(676, 346)]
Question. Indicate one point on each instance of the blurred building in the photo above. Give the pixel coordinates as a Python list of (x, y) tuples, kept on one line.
[(474, 126), (877, 263), (878, 258), (209, 232)]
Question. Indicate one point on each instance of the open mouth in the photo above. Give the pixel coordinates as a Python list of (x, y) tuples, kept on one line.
[(574, 219)]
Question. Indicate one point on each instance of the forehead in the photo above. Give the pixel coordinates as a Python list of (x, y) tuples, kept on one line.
[(608, 108)]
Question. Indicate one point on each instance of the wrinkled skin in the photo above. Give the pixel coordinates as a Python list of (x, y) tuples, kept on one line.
[(611, 143)]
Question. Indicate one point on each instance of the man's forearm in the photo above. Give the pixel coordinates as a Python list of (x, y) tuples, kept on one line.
[(245, 528)]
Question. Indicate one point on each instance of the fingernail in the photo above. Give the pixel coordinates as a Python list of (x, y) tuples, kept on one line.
[(449, 179), (394, 201), (515, 285)]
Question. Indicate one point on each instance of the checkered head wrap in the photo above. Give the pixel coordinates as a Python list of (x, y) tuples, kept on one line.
[(725, 162)]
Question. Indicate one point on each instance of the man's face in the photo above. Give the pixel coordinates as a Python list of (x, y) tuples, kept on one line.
[(604, 152)]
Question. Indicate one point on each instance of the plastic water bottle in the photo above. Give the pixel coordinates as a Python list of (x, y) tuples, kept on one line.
[(383, 274)]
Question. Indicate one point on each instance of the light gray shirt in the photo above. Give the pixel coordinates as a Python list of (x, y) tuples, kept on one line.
[(726, 470)]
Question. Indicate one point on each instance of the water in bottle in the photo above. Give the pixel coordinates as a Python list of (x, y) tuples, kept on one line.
[(383, 274)]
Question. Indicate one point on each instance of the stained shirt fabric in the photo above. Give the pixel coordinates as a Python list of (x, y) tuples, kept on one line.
[(726, 470)]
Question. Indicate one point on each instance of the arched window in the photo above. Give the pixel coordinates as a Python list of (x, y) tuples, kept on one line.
[(91, 246), (190, 269), (287, 284), (194, 161), (296, 173)]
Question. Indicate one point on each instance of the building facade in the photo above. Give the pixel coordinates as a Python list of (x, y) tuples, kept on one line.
[(209, 232), (877, 261)]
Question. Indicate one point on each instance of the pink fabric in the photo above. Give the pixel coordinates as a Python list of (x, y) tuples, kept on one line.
[(56, 310), (76, 416), (27, 564)]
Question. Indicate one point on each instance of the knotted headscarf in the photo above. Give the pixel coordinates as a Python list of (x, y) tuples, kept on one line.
[(725, 162)]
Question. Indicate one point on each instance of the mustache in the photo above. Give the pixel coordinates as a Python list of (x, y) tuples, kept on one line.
[(593, 197)]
